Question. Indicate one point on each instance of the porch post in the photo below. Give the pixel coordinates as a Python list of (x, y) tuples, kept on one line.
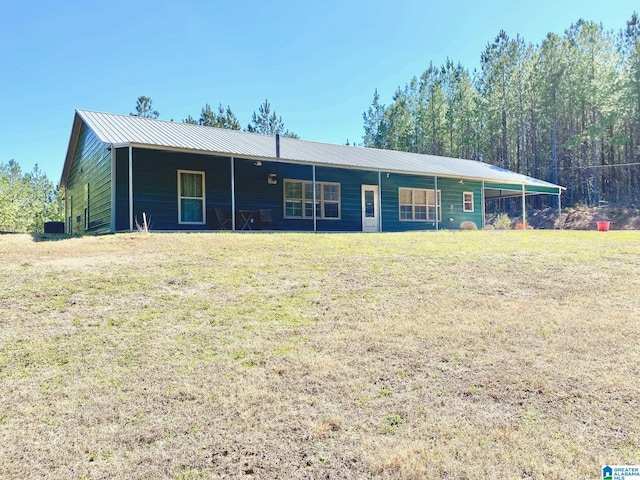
[(559, 209), (435, 191), (113, 189), (379, 201), (484, 215), (315, 220), (130, 188), (233, 196), (524, 212)]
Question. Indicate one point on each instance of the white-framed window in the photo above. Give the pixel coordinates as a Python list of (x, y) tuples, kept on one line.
[(298, 199), (467, 201), (191, 200), (419, 205)]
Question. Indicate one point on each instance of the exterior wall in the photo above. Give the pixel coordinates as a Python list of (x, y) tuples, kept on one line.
[(122, 189), (453, 213), (155, 187), (391, 203), (91, 166), (452, 207), (156, 192)]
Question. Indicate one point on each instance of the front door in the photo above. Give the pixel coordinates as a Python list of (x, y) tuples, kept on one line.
[(370, 208)]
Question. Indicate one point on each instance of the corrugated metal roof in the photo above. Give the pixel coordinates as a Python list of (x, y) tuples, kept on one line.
[(123, 129)]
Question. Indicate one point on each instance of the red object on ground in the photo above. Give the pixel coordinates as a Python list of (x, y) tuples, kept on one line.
[(603, 226)]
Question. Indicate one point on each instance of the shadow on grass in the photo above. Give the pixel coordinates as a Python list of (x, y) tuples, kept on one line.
[(50, 237)]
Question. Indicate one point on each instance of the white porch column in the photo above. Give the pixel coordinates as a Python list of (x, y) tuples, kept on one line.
[(130, 188), (524, 211), (435, 190), (233, 196), (315, 220)]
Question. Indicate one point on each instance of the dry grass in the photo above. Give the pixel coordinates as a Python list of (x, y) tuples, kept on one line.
[(488, 354)]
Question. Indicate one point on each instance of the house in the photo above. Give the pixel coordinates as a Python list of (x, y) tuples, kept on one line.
[(191, 177)]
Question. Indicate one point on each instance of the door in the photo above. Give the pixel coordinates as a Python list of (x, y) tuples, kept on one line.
[(370, 209)]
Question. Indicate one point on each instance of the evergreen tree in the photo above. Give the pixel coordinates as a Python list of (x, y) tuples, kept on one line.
[(267, 122), (27, 200), (144, 108)]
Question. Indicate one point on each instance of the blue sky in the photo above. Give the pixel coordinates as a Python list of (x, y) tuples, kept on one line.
[(318, 63)]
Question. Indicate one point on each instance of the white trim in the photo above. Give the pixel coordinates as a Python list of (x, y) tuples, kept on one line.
[(524, 206), (336, 165), (315, 216), (203, 199), (113, 190), (376, 207), (380, 200), (464, 202), (437, 205), (435, 187), (313, 200), (233, 195), (484, 214), (130, 188)]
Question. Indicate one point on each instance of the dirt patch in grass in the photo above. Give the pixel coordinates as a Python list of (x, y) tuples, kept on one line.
[(585, 218), (417, 355)]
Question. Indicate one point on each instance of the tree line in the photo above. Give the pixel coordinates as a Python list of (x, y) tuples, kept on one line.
[(264, 121), (566, 110), (27, 199)]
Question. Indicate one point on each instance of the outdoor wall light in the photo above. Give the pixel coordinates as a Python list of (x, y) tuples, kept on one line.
[(258, 163), (388, 175), (461, 181), (272, 178)]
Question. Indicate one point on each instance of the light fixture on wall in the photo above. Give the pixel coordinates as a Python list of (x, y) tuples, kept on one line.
[(272, 179), (258, 163), (388, 175), (461, 181)]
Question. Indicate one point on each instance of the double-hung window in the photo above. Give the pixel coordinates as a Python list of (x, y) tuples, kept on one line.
[(467, 201), (417, 204), (298, 199), (191, 201)]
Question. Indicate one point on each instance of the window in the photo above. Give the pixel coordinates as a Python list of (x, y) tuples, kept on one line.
[(191, 197), (298, 199), (417, 204), (467, 201)]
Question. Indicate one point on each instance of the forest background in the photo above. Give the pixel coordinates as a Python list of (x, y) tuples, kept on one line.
[(566, 110)]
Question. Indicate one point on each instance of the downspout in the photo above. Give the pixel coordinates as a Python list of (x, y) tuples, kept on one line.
[(379, 201), (113, 189), (130, 188), (315, 220), (233, 196), (435, 186), (524, 211)]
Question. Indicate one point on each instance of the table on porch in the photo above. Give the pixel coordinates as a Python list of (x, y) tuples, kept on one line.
[(245, 219)]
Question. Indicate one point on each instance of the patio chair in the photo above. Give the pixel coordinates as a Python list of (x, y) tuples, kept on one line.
[(266, 220), (223, 219)]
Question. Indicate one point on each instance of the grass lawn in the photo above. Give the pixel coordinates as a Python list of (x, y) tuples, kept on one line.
[(460, 355)]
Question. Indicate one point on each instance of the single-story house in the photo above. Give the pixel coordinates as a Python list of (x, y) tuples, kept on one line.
[(192, 177)]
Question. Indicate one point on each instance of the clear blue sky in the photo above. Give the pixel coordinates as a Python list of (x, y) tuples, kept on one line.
[(318, 63)]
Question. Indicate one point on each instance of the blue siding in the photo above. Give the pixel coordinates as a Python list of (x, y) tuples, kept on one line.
[(91, 165), (155, 185), (453, 213), (156, 192), (390, 202), (122, 189)]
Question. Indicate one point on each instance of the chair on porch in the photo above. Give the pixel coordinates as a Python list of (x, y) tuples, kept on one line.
[(223, 219), (266, 220)]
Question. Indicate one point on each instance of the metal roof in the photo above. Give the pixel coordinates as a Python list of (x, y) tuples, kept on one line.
[(138, 131)]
